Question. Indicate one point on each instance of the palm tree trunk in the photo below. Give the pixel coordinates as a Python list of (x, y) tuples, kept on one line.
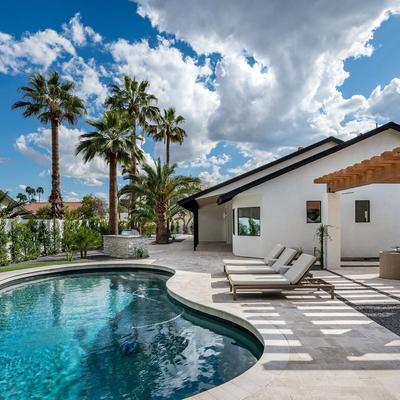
[(168, 145), (113, 197), (55, 199), (132, 204), (162, 235)]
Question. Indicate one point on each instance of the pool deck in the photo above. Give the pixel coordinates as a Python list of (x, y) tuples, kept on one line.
[(315, 347)]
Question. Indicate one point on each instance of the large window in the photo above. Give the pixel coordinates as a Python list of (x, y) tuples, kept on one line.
[(249, 221), (363, 213), (313, 212)]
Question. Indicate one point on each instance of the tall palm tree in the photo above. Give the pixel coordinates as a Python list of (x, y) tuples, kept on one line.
[(133, 98), (112, 141), (22, 198), (30, 191), (168, 128), (52, 101), (39, 191), (160, 186)]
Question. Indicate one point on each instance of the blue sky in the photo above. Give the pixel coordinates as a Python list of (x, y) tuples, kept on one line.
[(252, 88)]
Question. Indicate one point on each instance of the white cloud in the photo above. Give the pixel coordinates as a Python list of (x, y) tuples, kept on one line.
[(87, 77), (37, 147), (79, 33), (41, 49), (205, 161), (288, 94), (211, 178), (22, 187)]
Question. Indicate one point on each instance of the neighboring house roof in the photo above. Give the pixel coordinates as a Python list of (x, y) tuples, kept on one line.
[(330, 139), (223, 198), (34, 207), (7, 199)]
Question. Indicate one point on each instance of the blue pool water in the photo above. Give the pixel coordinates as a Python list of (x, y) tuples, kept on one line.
[(112, 335)]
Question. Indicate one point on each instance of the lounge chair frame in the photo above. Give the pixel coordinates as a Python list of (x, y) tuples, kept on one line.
[(306, 282)]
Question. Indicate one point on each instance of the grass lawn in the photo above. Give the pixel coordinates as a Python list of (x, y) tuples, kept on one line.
[(14, 267)]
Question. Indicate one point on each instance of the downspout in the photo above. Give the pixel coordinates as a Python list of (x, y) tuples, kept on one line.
[(195, 225)]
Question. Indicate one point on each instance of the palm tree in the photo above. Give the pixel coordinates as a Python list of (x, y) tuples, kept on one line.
[(133, 98), (167, 128), (22, 198), (112, 141), (39, 191), (52, 101), (30, 192), (159, 186)]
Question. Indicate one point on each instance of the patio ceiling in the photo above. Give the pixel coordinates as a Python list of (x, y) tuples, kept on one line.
[(384, 168)]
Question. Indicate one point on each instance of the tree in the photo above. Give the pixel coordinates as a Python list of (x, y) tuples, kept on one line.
[(52, 101), (110, 140), (133, 98), (31, 192), (167, 128), (22, 198), (161, 187), (39, 191), (92, 206)]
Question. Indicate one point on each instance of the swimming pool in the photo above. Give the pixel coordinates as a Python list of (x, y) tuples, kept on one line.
[(112, 335)]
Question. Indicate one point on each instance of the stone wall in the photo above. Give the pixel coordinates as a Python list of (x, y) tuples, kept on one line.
[(119, 246)]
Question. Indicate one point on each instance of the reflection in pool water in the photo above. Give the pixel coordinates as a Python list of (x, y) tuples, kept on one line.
[(112, 335)]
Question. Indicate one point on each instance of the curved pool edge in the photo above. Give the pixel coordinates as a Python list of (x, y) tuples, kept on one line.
[(180, 286)]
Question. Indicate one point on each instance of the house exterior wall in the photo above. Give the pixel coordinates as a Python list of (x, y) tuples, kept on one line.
[(283, 206), (211, 223)]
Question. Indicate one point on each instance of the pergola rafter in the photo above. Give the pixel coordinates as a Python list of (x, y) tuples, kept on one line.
[(384, 168)]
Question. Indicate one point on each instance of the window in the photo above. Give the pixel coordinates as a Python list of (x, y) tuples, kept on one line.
[(362, 211), (233, 222), (249, 221), (313, 212)]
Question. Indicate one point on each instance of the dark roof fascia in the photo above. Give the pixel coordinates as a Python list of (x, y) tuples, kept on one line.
[(262, 167), (230, 195)]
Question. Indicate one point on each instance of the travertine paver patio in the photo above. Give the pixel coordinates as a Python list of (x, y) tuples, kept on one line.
[(315, 348)]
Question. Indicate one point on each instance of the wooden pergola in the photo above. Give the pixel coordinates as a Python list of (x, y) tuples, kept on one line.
[(384, 168)]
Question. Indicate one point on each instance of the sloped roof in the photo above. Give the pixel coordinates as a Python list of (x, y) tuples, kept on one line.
[(34, 207)]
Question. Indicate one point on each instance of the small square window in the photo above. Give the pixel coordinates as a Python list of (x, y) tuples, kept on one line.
[(313, 212), (249, 223), (362, 211)]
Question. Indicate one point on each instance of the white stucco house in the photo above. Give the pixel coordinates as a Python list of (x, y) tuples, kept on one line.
[(280, 203)]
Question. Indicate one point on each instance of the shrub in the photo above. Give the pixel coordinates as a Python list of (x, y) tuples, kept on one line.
[(55, 245), (140, 252), (149, 229), (44, 239), (4, 259), (69, 241), (86, 238)]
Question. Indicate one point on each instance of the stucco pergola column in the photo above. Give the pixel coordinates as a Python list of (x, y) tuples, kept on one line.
[(332, 218)]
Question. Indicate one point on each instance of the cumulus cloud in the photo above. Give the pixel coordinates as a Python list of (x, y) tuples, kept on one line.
[(40, 49), (37, 147), (281, 63), (79, 33)]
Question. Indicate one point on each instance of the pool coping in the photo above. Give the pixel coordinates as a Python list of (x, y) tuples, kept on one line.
[(185, 288)]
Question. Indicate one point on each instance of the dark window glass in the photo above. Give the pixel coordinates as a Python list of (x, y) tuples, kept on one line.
[(233, 221), (249, 223), (313, 212), (362, 211)]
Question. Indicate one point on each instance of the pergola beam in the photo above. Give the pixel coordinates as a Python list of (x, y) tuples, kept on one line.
[(384, 168)]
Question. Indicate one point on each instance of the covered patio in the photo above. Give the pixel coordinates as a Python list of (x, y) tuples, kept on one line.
[(380, 169)]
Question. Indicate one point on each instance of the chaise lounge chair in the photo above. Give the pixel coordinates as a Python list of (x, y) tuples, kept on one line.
[(283, 260), (269, 259), (294, 278)]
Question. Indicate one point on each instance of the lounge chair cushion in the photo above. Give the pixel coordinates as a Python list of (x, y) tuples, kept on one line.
[(249, 269), (272, 256), (244, 261), (299, 268), (284, 259), (259, 280)]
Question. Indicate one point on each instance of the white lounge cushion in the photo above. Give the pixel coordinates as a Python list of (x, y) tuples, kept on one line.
[(259, 280), (299, 268), (249, 269), (284, 259), (276, 251), (244, 261)]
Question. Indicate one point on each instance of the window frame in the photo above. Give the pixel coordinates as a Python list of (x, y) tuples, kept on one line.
[(368, 210), (238, 220), (320, 212)]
